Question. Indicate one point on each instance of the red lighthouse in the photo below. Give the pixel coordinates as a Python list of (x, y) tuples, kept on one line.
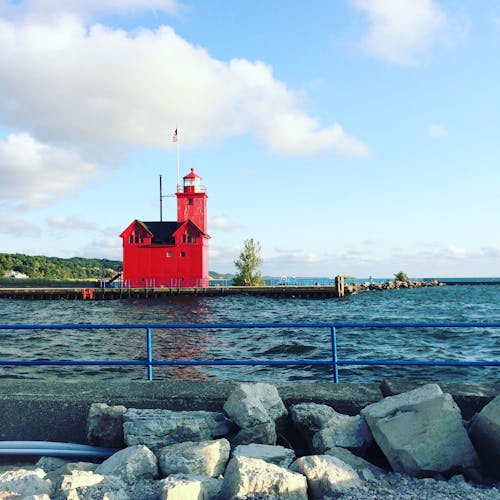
[(170, 254)]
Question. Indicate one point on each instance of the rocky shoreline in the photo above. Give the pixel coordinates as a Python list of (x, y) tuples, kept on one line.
[(389, 285), (412, 445)]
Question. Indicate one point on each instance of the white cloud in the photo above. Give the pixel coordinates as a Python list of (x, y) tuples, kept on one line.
[(404, 31), (427, 260), (102, 248), (65, 222), (19, 227), (103, 87), (222, 222), (35, 174), (457, 252), (437, 131)]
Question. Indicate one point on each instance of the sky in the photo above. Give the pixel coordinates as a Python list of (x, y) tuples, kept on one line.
[(354, 137)]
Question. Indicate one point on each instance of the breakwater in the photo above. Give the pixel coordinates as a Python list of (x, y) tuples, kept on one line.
[(289, 440), (338, 290), (57, 410)]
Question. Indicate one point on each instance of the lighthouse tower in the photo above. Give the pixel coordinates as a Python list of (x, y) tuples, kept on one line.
[(192, 201)]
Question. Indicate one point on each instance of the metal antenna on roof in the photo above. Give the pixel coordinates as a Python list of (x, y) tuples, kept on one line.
[(161, 203)]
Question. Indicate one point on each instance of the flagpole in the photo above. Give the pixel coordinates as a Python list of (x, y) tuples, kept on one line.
[(178, 169)]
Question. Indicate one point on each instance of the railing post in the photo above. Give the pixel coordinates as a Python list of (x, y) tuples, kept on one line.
[(149, 347), (334, 356)]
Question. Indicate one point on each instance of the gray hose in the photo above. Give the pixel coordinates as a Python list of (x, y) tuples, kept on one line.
[(54, 449)]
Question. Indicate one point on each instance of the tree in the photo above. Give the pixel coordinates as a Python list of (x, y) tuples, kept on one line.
[(401, 276), (250, 259)]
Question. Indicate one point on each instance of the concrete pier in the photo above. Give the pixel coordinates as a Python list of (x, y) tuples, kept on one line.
[(328, 291)]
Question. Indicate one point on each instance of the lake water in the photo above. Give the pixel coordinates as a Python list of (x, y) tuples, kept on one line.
[(451, 303)]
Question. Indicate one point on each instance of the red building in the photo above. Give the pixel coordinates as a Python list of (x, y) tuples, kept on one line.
[(170, 254)]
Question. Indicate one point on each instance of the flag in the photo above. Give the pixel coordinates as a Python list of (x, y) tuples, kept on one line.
[(174, 137)]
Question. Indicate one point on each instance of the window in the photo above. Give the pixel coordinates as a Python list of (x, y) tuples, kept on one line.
[(188, 238), (169, 254), (190, 201), (183, 254)]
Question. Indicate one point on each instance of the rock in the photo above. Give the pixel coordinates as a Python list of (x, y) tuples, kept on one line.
[(264, 433), (309, 418), (366, 470), (25, 482), (158, 428), (208, 458), (68, 468), (130, 463), (277, 455), (345, 431), (327, 476), (49, 464), (182, 487), (175, 488), (80, 479), (485, 434), (421, 433), (105, 425), (252, 404), (250, 476), (84, 485)]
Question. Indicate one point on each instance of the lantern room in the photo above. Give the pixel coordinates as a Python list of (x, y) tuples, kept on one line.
[(192, 182)]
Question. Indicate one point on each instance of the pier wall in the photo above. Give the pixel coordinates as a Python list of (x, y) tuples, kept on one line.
[(57, 411), (338, 290)]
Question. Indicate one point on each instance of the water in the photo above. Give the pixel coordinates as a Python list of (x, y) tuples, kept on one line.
[(453, 303)]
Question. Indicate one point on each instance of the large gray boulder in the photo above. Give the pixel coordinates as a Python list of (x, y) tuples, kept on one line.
[(421, 432), (366, 470), (57, 475), (264, 433), (49, 464), (158, 428), (105, 425), (183, 487), (252, 404), (485, 434), (309, 418), (277, 455), (327, 476), (81, 484), (345, 431), (251, 477), (180, 488), (25, 482), (207, 458), (324, 428), (135, 462)]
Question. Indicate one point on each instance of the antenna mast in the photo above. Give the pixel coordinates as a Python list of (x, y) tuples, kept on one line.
[(161, 203)]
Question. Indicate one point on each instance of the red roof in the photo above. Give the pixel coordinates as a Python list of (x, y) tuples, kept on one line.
[(192, 175)]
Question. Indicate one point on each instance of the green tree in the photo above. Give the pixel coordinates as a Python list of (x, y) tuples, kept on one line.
[(250, 259), (401, 276)]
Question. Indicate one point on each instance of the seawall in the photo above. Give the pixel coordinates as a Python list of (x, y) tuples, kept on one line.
[(57, 411)]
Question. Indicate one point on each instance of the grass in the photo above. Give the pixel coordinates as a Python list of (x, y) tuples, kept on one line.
[(46, 283)]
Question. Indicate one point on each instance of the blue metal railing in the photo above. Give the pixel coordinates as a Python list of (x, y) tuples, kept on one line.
[(333, 361)]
